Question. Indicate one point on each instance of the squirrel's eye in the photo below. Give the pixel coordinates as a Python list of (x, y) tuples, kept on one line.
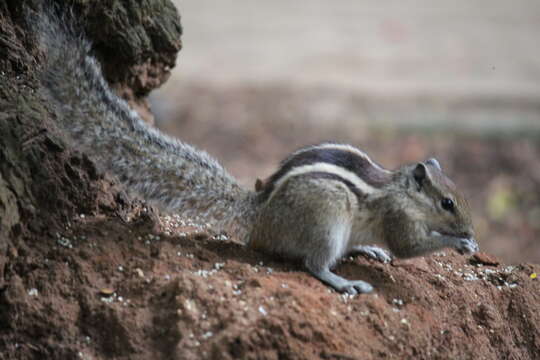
[(447, 204)]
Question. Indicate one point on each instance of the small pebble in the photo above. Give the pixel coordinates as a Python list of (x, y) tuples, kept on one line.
[(139, 272), (486, 259), (33, 292)]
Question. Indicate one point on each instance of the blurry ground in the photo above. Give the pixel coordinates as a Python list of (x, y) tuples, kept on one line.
[(402, 80)]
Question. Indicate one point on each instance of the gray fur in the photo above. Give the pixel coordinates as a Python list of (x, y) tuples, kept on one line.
[(342, 155), (172, 174)]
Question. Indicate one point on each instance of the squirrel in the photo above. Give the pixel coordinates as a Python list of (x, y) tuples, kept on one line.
[(323, 202)]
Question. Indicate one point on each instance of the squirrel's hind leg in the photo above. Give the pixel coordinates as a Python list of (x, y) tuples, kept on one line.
[(332, 237), (328, 239), (309, 217), (340, 284)]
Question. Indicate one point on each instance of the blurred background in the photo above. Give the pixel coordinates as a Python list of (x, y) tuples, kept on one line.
[(403, 80)]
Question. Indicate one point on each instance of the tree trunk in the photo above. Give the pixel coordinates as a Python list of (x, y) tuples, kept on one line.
[(43, 182)]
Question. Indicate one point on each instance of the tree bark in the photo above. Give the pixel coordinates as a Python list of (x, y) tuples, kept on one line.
[(43, 182)]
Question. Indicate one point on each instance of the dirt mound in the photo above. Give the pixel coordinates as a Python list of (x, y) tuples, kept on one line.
[(107, 287), (86, 272)]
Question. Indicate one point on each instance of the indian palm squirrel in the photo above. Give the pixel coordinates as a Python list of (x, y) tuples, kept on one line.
[(322, 203)]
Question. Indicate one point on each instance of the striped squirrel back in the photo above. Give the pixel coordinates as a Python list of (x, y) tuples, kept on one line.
[(342, 162)]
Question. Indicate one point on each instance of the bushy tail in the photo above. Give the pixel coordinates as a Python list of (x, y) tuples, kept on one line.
[(163, 170)]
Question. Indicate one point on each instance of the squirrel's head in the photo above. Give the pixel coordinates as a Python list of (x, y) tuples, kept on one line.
[(436, 200)]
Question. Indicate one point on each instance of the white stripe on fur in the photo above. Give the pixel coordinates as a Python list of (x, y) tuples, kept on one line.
[(343, 147), (325, 168)]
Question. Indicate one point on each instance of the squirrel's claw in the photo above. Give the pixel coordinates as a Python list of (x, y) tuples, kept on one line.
[(373, 252), (351, 287), (467, 246), (354, 287)]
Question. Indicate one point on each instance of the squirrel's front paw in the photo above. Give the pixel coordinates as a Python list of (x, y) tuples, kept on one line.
[(467, 246), (373, 252)]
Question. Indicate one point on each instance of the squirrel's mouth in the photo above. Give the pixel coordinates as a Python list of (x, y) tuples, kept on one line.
[(464, 243)]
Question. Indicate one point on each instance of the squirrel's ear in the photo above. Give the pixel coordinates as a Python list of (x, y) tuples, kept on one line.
[(433, 162), (420, 174)]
